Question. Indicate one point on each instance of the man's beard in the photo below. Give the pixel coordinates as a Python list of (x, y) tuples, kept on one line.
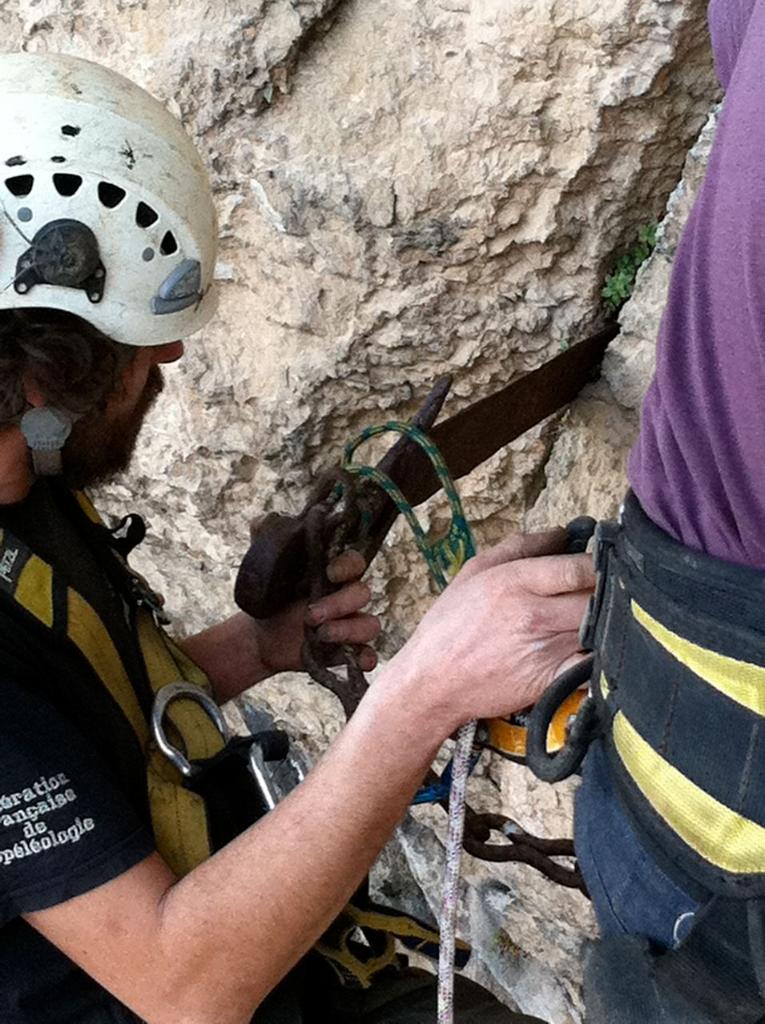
[(100, 446)]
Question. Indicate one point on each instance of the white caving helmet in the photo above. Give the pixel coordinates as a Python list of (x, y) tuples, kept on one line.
[(105, 204)]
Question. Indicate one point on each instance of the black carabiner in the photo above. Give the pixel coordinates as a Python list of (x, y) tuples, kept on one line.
[(582, 731)]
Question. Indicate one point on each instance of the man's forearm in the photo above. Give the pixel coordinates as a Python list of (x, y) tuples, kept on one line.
[(208, 948), (230, 654), (244, 918)]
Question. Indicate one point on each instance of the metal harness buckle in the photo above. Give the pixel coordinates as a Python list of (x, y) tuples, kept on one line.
[(165, 697), (273, 782), (604, 540)]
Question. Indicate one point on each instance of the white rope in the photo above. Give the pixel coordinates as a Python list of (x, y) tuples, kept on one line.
[(448, 922)]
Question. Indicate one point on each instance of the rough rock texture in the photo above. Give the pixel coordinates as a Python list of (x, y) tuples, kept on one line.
[(376, 235), (404, 190)]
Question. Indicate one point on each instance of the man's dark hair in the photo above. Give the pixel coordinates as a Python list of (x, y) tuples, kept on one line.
[(76, 367)]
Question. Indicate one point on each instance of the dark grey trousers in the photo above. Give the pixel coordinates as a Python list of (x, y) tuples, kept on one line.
[(407, 996), (404, 997), (410, 998)]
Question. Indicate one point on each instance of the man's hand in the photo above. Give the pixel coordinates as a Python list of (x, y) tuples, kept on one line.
[(241, 651), (339, 620), (502, 631)]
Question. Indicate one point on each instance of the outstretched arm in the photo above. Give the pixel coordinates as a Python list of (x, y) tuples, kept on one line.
[(209, 948)]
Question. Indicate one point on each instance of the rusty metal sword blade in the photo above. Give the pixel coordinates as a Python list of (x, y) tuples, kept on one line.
[(472, 436)]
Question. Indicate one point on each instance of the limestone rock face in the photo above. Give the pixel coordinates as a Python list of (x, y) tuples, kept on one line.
[(404, 190), (439, 191)]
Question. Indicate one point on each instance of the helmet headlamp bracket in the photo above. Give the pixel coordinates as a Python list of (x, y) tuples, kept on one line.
[(63, 253)]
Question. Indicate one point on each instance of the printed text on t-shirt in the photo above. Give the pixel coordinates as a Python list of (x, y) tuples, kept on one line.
[(28, 807)]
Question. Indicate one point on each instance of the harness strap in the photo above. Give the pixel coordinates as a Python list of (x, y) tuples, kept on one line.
[(678, 685), (178, 815)]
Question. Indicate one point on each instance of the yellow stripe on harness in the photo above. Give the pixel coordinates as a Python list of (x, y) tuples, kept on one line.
[(605, 688), (34, 590), (86, 629), (179, 819), (165, 665), (739, 680), (722, 836)]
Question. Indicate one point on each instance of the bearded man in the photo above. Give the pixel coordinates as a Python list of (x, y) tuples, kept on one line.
[(127, 890)]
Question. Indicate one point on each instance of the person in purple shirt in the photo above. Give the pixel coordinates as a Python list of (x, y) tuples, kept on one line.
[(698, 466), (670, 823)]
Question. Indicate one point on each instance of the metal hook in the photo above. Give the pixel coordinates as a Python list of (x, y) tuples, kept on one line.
[(182, 691)]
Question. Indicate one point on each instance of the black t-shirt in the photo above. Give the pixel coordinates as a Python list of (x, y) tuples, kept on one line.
[(74, 809), (73, 806)]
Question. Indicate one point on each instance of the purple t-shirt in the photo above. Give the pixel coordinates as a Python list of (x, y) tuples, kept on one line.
[(698, 467)]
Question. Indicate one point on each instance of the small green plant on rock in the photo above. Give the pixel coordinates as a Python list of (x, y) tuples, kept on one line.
[(620, 281)]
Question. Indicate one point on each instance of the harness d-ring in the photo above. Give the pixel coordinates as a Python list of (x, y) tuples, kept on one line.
[(554, 767), (165, 697)]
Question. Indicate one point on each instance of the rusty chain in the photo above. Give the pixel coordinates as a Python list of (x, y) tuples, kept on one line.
[(523, 847), (332, 520)]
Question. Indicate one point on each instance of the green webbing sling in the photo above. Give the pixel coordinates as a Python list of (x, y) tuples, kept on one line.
[(444, 555)]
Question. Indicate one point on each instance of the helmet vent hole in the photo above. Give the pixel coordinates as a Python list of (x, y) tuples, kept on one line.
[(20, 184), (110, 195), (145, 216), (66, 184), (168, 245)]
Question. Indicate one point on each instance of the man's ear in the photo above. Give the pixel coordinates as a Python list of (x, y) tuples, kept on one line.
[(33, 392)]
